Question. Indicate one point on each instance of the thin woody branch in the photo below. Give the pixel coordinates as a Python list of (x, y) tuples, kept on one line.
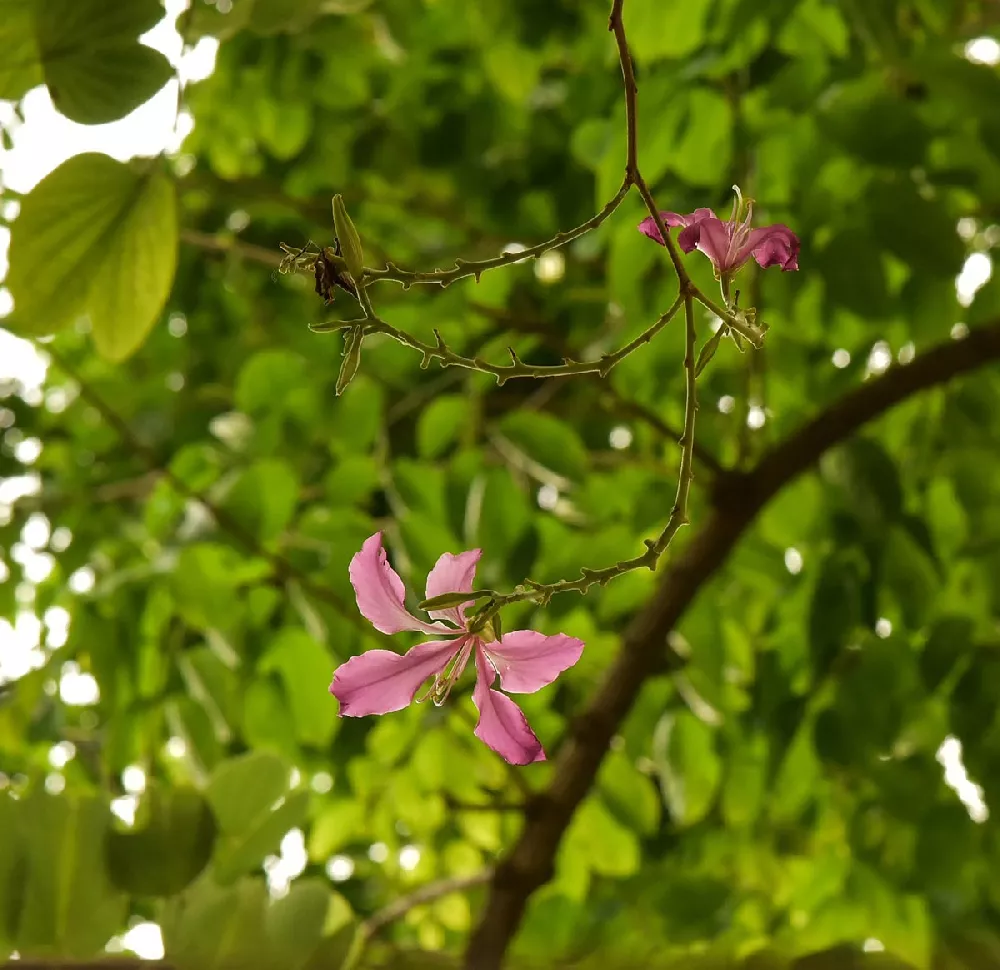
[(504, 372), (739, 497), (464, 268)]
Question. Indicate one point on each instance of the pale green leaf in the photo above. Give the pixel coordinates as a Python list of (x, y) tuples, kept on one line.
[(97, 237)]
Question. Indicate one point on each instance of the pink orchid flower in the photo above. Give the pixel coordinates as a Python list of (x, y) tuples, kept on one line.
[(380, 681), (730, 244)]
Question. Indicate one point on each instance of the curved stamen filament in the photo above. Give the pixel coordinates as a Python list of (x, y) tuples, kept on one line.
[(438, 691)]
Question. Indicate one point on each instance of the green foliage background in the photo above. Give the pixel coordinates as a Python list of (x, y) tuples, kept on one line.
[(777, 798)]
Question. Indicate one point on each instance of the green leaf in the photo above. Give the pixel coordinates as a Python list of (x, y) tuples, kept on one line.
[(251, 802), (169, 846), (629, 794), (243, 789), (86, 51), (264, 498), (212, 927), (949, 641), (12, 872), (918, 231), (296, 923), (70, 907), (745, 783), (237, 855), (688, 766), (548, 440), (352, 480), (665, 28), (606, 846), (440, 424), (910, 576), (875, 126), (204, 584), (835, 611), (269, 382), (794, 785), (703, 155), (305, 668), (868, 479), (96, 237), (267, 721), (855, 278), (20, 69)]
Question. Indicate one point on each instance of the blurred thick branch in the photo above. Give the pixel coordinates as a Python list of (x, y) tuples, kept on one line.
[(737, 499)]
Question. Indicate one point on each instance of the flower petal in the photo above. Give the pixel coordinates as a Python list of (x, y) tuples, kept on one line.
[(649, 228), (775, 245), (380, 681), (714, 241), (502, 725), (526, 661), (380, 591), (452, 574)]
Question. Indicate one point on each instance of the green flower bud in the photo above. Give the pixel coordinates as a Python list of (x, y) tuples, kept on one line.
[(448, 600), (350, 241), (352, 358)]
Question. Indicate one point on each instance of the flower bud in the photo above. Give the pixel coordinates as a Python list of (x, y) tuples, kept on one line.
[(350, 241), (352, 358)]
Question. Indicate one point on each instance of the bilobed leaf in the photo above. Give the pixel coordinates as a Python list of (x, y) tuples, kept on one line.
[(86, 51), (97, 237), (170, 844)]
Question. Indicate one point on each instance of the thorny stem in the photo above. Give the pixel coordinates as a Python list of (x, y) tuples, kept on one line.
[(464, 268), (517, 368), (632, 174), (543, 592)]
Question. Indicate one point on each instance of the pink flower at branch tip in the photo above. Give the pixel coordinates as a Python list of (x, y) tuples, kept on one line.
[(731, 243), (381, 681)]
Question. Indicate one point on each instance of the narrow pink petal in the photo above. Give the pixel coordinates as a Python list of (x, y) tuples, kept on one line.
[(713, 241), (502, 725), (774, 245), (380, 681), (380, 591), (452, 574), (649, 228), (527, 661)]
